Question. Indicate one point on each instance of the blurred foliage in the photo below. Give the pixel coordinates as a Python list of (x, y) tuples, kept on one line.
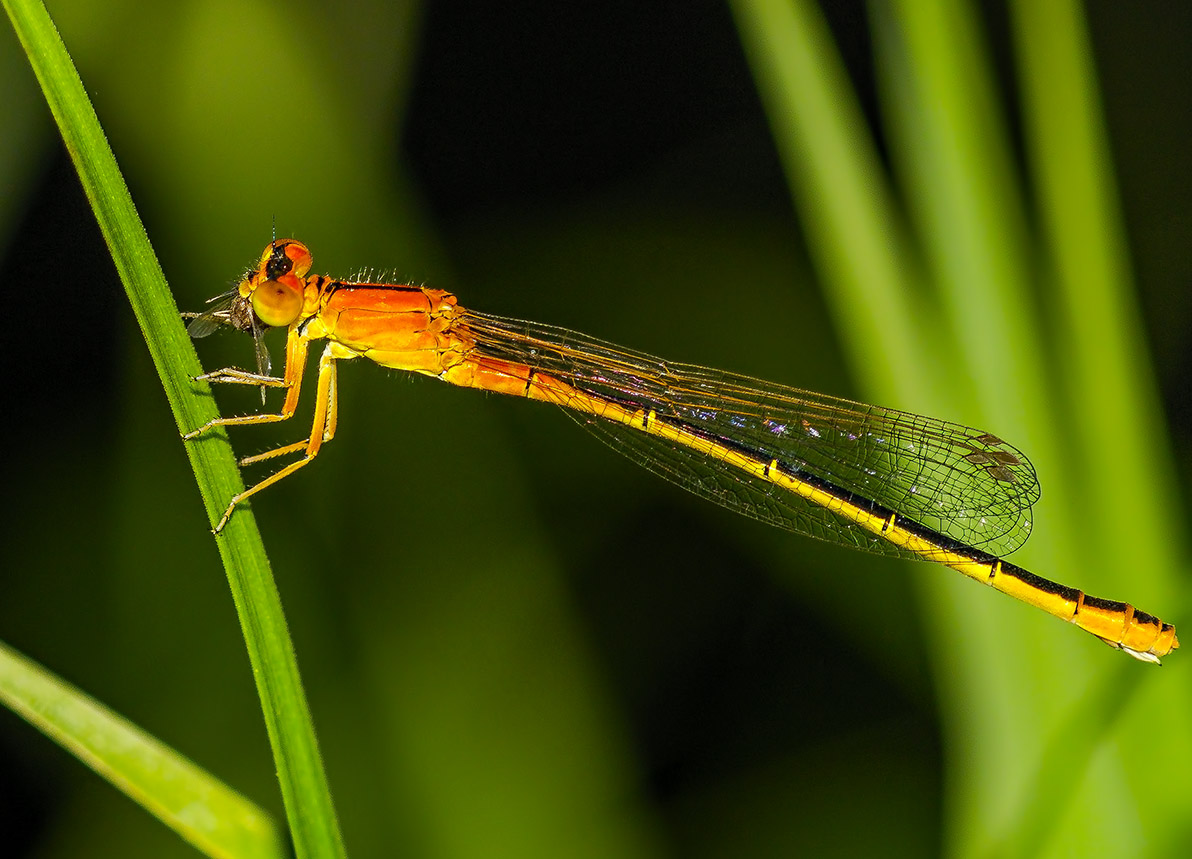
[(513, 642)]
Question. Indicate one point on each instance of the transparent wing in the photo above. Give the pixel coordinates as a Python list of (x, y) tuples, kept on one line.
[(219, 313), (231, 309), (961, 482)]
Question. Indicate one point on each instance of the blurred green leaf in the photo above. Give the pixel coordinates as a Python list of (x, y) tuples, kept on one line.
[(199, 807), (952, 157)]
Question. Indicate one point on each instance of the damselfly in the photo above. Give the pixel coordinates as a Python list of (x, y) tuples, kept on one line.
[(872, 478)]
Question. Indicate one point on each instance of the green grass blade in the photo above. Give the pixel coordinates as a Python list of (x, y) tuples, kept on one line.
[(192, 802), (307, 797), (951, 150), (1009, 720), (1133, 508), (952, 155), (838, 187), (1104, 354)]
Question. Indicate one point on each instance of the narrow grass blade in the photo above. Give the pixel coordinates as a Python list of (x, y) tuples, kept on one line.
[(843, 197), (305, 791), (951, 149), (192, 802)]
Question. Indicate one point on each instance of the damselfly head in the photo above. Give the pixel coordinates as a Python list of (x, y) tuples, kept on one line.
[(270, 295)]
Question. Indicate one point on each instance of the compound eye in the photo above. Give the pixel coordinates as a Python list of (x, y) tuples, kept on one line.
[(300, 257), (282, 257), (276, 304)]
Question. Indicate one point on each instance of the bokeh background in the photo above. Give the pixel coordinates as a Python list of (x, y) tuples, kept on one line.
[(515, 642)]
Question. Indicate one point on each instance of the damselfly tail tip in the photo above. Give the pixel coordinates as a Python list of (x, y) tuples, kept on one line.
[(1147, 655), (1143, 656)]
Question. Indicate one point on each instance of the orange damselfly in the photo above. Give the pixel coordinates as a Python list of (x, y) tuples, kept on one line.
[(876, 479)]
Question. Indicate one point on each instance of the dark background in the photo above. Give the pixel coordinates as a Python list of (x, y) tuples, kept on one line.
[(512, 639)]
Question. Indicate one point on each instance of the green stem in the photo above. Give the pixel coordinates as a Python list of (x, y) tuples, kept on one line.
[(307, 797)]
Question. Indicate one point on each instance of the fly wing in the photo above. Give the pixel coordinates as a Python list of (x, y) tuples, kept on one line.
[(217, 315), (233, 310)]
